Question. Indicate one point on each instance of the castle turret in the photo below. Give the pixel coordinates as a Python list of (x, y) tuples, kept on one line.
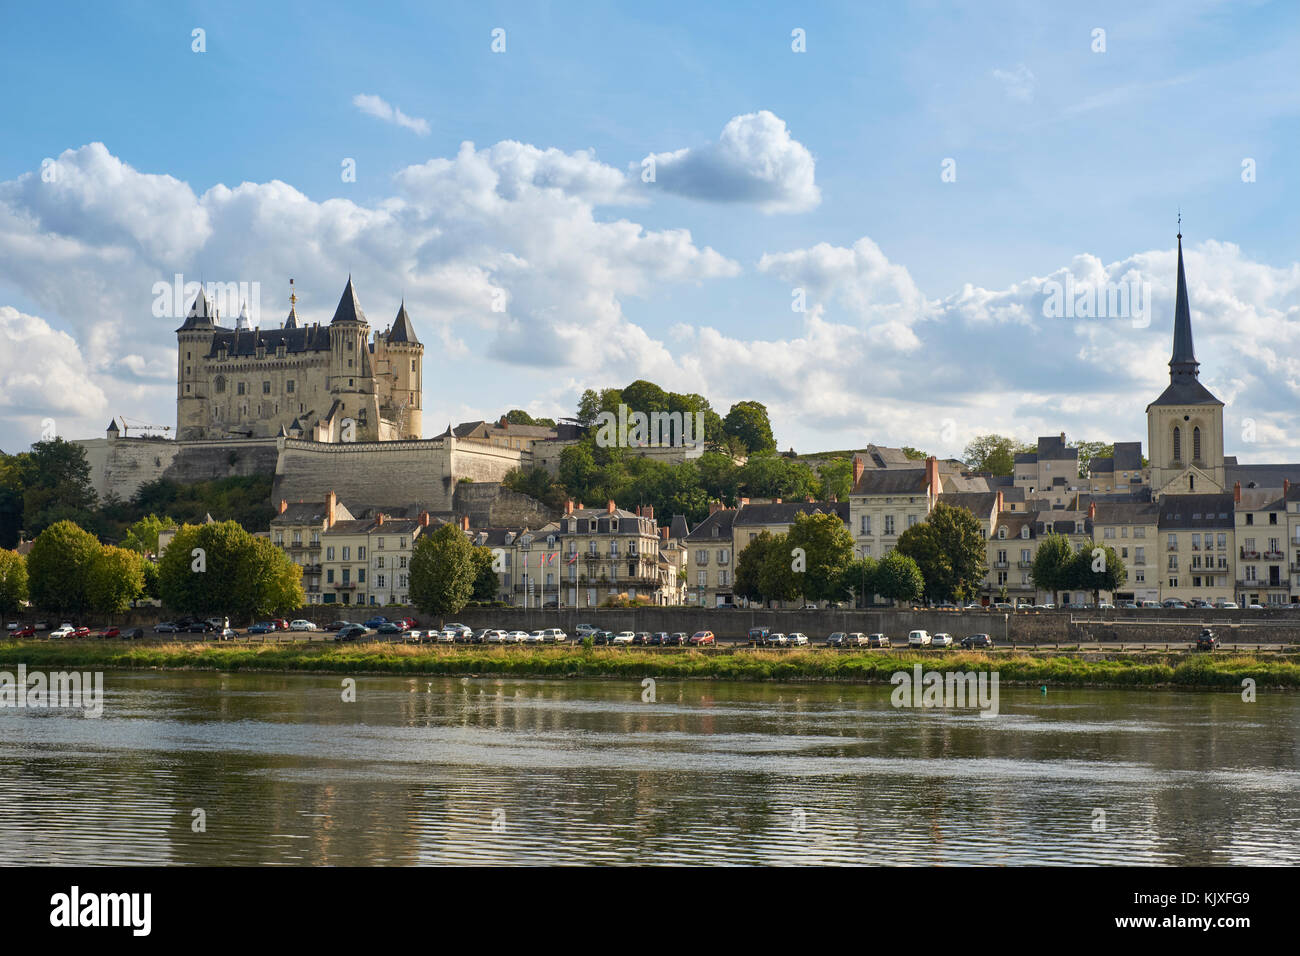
[(194, 340), (351, 377), (402, 357)]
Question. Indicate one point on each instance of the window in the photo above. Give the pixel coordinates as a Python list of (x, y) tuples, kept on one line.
[(379, 563), (361, 553), (266, 388), (347, 553), (911, 520), (329, 553), (866, 524), (1196, 444), (361, 575), (289, 386), (1178, 444), (329, 576), (1108, 533), (1002, 533), (889, 524), (1250, 519), (239, 388)]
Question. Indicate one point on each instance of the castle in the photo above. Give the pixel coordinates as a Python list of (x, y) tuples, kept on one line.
[(329, 383)]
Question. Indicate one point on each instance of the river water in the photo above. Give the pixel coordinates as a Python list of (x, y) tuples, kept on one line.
[(210, 769)]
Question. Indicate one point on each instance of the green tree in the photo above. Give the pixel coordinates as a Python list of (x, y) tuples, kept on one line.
[(775, 476), (777, 580), (749, 567), (836, 480), (1098, 569), (1088, 450), (994, 453), (1052, 570), (56, 485), (13, 584), (859, 579), (114, 579), (58, 565), (485, 579), (517, 416), (748, 421), (914, 453), (827, 549), (899, 578), (220, 568), (443, 571), (142, 537), (949, 548)]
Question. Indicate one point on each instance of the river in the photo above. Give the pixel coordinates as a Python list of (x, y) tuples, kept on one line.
[(211, 769)]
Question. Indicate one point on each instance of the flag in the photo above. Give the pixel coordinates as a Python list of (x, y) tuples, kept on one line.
[(573, 557)]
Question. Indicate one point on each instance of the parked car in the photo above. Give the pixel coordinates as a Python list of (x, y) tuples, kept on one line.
[(13, 626), (776, 639), (623, 637), (677, 639), (166, 627), (534, 637), (301, 625), (702, 638), (554, 635), (582, 630), (26, 630), (376, 621), (446, 636), (1149, 604), (1002, 606), (453, 627), (1207, 641), (225, 634), (941, 640), (838, 639), (974, 641), (758, 635), (266, 627), (1128, 604), (337, 626), (353, 632), (878, 640), (217, 623), (1254, 607), (198, 627), (516, 637), (388, 627), (494, 636), (1174, 603), (1106, 606), (109, 632), (798, 639), (918, 639), (477, 637), (42, 625), (61, 632), (601, 638), (134, 634), (1227, 605), (641, 638)]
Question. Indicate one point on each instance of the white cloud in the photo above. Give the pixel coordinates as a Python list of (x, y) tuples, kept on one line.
[(377, 107), (1018, 83), (755, 160), (43, 376)]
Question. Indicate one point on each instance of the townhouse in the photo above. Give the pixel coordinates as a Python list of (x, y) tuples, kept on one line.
[(1131, 528), (297, 529), (1263, 547), (710, 577), (885, 502), (1196, 544)]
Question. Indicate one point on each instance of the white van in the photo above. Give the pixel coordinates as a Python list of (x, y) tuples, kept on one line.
[(918, 639)]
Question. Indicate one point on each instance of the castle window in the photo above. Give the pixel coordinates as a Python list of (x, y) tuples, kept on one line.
[(290, 386), (239, 388), (1178, 444), (220, 384), (349, 363), (1196, 444), (412, 365), (266, 388)]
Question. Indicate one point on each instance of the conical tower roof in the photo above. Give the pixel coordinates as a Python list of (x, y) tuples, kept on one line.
[(349, 309)]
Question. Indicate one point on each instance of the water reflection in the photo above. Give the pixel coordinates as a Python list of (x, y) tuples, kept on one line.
[(451, 770)]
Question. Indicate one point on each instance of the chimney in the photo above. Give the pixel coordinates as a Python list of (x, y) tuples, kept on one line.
[(932, 476), (715, 506), (284, 506), (649, 511), (331, 503), (999, 511), (1092, 511), (379, 519), (1236, 492), (663, 534), (464, 522), (424, 519), (1286, 488), (609, 506), (581, 506), (568, 507), (638, 511)]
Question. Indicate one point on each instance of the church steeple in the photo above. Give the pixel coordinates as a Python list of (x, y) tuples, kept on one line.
[(1182, 365)]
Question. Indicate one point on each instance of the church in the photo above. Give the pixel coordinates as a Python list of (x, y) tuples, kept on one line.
[(334, 383)]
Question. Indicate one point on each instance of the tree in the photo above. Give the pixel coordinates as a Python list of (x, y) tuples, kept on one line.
[(775, 476), (1051, 570), (13, 584), (899, 578), (220, 568), (777, 580), (827, 549), (749, 567), (748, 421), (55, 477), (443, 571), (485, 579), (517, 416), (994, 453), (915, 454), (949, 548), (859, 579), (1088, 450), (836, 480), (114, 579), (143, 535), (57, 567), (1097, 569)]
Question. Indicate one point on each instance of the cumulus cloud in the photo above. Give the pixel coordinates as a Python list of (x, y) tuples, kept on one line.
[(379, 108), (755, 160), (43, 376)]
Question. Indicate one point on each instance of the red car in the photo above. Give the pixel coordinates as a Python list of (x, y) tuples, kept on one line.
[(80, 632), (700, 638), (109, 632), (25, 631), (280, 624)]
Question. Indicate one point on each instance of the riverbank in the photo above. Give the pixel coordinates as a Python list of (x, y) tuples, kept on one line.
[(1088, 669)]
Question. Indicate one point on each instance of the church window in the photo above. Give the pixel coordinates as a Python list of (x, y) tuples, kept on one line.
[(1196, 444), (1178, 444)]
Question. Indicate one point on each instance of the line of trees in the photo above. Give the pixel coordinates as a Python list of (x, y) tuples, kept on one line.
[(1059, 567)]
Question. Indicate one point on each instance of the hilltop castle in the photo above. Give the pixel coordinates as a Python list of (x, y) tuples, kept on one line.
[(320, 383)]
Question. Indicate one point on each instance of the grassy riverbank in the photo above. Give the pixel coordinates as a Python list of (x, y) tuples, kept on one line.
[(1176, 668)]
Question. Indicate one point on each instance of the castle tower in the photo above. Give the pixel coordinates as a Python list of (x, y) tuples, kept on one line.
[(1185, 424), (351, 373), (194, 341), (405, 361)]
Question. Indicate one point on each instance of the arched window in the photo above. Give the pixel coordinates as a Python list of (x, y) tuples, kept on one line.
[(1178, 444), (220, 384), (1196, 444)]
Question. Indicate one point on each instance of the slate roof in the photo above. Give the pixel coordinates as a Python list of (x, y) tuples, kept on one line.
[(349, 309), (892, 481), (1196, 511), (1128, 456), (403, 330), (200, 315), (720, 520), (1053, 448), (978, 503), (245, 342), (1262, 499), (1264, 476), (1126, 512), (679, 527), (786, 511)]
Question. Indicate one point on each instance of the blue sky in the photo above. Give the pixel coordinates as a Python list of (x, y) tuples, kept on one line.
[(1061, 152)]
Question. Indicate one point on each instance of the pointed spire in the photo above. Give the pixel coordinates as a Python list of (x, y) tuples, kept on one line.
[(292, 321), (243, 321), (200, 314), (403, 330), (1183, 364), (349, 309)]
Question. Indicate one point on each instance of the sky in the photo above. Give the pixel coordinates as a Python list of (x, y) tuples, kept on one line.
[(867, 219)]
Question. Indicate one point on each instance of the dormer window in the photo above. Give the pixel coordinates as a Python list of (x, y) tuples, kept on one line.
[(1002, 532), (1024, 532)]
